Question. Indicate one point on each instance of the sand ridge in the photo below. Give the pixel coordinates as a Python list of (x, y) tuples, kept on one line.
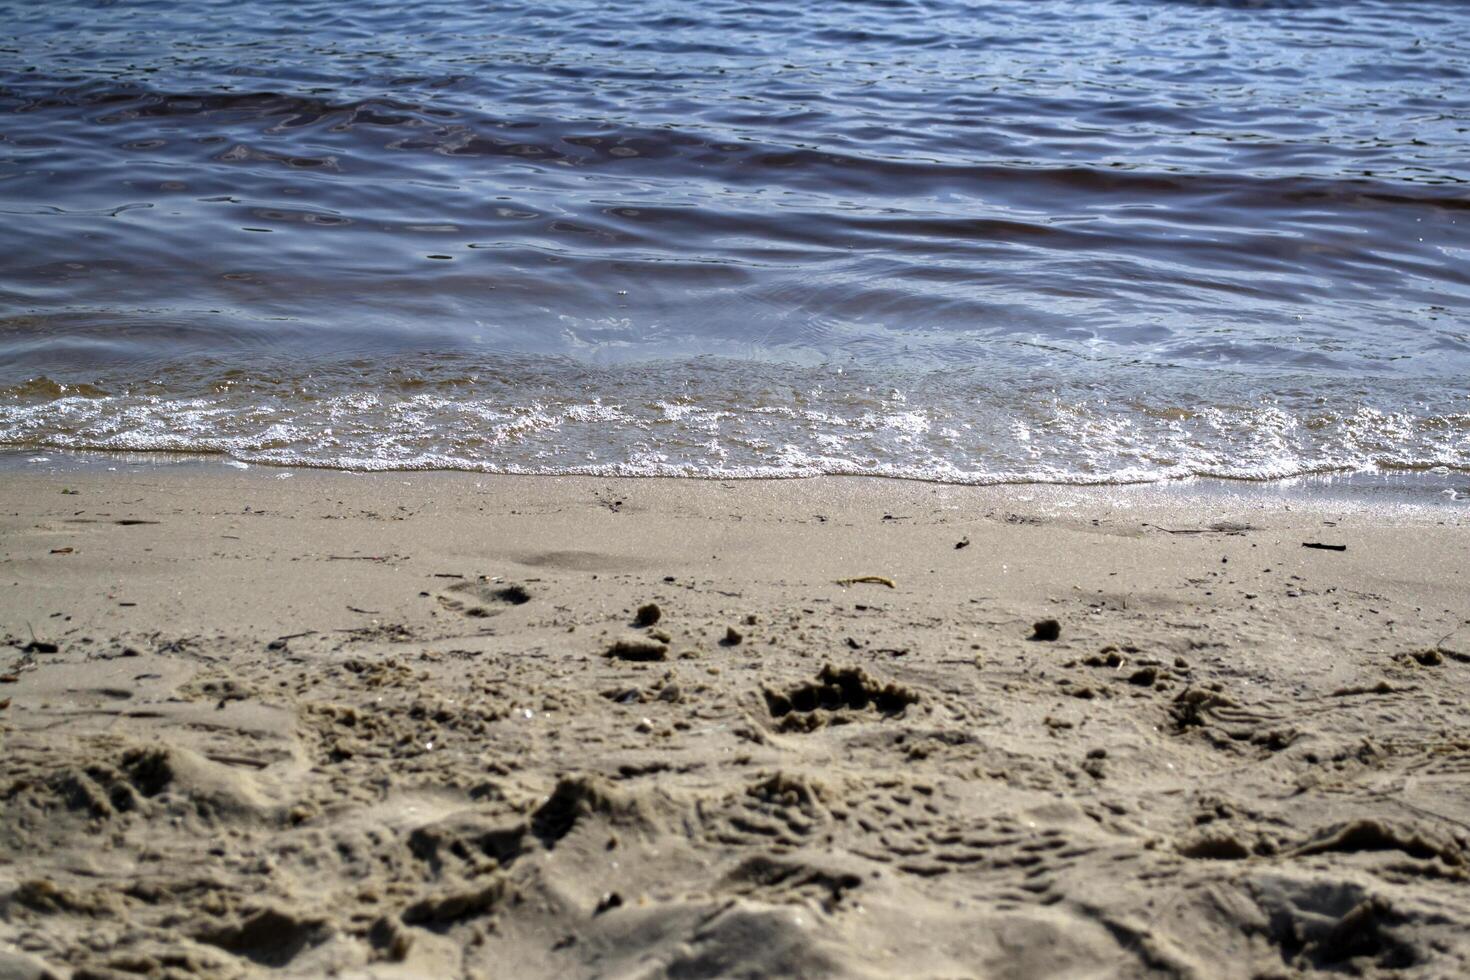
[(429, 725)]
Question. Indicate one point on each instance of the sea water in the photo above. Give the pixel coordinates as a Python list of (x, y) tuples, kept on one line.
[(998, 240)]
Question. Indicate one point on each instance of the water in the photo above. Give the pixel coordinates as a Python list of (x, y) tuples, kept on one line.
[(1085, 241)]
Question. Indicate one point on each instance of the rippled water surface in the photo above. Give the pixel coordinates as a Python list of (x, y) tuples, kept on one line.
[(1094, 240)]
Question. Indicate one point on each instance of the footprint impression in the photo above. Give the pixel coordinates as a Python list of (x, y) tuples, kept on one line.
[(481, 597)]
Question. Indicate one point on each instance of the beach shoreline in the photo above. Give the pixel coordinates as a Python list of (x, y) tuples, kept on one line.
[(1433, 493), (420, 723)]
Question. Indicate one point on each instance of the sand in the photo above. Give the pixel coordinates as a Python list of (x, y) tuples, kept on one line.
[(421, 725)]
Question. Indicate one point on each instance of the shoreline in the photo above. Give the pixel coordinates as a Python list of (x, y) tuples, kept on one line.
[(1430, 490), (407, 724)]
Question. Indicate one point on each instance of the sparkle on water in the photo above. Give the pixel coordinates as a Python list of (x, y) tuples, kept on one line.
[(1084, 241)]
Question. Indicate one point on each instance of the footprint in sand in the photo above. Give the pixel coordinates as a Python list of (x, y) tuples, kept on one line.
[(482, 597)]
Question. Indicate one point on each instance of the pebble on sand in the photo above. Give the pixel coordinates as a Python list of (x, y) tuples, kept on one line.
[(638, 649), (648, 615), (1046, 629)]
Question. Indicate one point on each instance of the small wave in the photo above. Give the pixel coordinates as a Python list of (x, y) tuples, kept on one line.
[(730, 419)]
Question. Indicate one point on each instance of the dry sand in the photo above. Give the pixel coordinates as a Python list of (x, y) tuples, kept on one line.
[(369, 726)]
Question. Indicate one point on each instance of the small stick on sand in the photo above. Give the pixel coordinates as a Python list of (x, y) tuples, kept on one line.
[(867, 580)]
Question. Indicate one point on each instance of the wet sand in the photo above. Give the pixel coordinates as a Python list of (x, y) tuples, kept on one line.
[(451, 725)]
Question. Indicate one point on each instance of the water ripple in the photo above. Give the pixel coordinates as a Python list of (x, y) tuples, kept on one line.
[(1075, 219)]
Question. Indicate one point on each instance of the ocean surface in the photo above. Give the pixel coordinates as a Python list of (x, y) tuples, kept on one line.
[(999, 240)]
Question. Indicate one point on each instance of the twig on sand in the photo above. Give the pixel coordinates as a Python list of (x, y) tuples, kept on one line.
[(38, 646), (237, 760), (1439, 645), (1324, 547), (867, 580)]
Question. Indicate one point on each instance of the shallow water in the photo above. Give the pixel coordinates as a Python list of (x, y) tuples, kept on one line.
[(1086, 241)]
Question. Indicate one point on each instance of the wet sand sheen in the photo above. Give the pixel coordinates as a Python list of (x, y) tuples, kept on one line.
[(370, 723)]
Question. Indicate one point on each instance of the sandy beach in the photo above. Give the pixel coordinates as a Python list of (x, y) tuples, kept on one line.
[(443, 725)]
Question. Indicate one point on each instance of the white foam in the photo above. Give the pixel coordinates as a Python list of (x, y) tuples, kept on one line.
[(747, 421)]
